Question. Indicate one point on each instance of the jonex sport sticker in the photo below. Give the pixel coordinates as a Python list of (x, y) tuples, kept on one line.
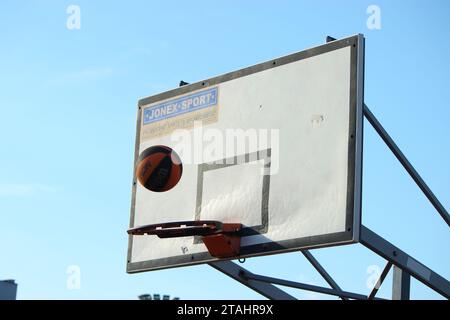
[(163, 118)]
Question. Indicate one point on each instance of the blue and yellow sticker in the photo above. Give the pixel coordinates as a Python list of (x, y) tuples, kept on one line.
[(179, 113)]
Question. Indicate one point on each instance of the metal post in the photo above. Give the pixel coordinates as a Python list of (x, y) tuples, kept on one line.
[(401, 284), (406, 164)]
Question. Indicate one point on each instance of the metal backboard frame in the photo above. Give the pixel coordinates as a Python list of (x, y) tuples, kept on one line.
[(353, 215)]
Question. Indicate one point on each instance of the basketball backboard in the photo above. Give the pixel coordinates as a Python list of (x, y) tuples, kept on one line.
[(276, 147)]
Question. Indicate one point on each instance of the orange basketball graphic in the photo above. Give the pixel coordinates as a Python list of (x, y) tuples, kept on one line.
[(159, 168)]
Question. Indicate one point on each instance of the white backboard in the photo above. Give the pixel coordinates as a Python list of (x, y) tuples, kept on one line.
[(292, 176)]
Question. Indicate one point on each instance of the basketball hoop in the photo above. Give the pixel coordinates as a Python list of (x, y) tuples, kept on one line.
[(221, 239)]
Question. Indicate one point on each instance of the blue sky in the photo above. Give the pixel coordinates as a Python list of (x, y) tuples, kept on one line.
[(68, 101)]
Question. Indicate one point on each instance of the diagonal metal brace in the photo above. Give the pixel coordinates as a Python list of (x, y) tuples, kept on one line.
[(406, 164), (308, 255), (308, 287), (380, 281), (240, 274)]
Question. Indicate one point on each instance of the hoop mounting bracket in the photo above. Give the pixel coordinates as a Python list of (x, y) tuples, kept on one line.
[(223, 240)]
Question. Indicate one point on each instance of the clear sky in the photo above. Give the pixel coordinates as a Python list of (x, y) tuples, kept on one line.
[(67, 125)]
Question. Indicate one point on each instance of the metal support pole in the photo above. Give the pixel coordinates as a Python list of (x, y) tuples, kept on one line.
[(236, 272), (404, 261), (406, 164), (308, 255), (404, 265), (401, 284), (380, 281), (304, 286)]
